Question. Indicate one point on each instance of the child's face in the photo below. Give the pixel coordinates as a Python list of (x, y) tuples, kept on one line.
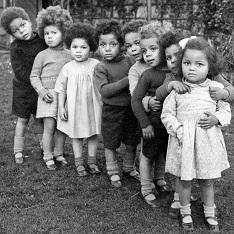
[(150, 51), (195, 66), (132, 44), (79, 49), (52, 36), (108, 46), (171, 54), (21, 29)]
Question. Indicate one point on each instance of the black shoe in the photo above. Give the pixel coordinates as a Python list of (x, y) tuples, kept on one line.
[(186, 226), (152, 203)]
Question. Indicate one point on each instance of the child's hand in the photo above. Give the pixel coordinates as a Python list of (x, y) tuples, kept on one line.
[(154, 104), (148, 132), (48, 98), (63, 114), (179, 134), (208, 121), (178, 86), (218, 93)]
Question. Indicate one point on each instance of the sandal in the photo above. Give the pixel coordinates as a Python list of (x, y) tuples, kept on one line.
[(133, 174), (162, 188), (115, 180), (187, 226), (174, 213), (61, 160), (19, 158), (150, 199), (81, 171), (50, 164), (93, 169), (212, 227)]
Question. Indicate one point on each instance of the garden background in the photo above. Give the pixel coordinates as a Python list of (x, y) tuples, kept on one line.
[(35, 200)]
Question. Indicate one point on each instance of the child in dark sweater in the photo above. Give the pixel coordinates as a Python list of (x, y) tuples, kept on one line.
[(118, 121), (23, 50)]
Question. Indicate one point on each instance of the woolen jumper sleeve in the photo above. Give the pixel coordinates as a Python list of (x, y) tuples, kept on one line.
[(111, 78), (150, 80), (22, 55), (46, 68)]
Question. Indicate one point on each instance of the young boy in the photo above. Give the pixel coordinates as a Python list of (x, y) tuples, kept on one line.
[(118, 122), (23, 50)]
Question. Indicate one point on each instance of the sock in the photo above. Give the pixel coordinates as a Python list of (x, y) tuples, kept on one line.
[(161, 182), (47, 156), (79, 161), (209, 211), (186, 210), (176, 203), (59, 156), (18, 144), (147, 186), (128, 162), (112, 168), (92, 160)]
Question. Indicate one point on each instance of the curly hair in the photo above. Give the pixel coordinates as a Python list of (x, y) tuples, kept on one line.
[(132, 27), (109, 27), (53, 15), (11, 13), (215, 60), (170, 38), (81, 30)]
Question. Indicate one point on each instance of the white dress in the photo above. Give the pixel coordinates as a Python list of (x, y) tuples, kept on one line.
[(201, 153), (83, 99)]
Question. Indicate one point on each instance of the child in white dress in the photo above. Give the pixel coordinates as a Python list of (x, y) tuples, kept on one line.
[(79, 100), (196, 150)]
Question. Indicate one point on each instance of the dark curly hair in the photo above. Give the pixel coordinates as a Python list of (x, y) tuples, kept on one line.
[(109, 27), (81, 30), (53, 15), (170, 38), (132, 27), (11, 13), (215, 60)]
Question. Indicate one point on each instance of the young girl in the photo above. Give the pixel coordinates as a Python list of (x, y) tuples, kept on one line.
[(154, 134), (52, 23), (23, 50), (196, 150), (79, 100)]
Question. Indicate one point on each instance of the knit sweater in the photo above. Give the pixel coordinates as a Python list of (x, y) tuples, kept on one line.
[(22, 54), (46, 68), (150, 80), (111, 78), (162, 91)]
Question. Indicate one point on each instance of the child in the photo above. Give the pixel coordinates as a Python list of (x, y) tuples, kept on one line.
[(23, 50), (154, 134), (196, 150), (52, 23), (78, 94), (132, 34), (118, 121), (170, 43)]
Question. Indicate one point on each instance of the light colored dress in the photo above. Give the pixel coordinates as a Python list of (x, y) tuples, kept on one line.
[(200, 153), (83, 99)]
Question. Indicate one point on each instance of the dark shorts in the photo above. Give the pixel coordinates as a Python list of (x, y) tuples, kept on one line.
[(118, 125), (24, 102), (158, 145)]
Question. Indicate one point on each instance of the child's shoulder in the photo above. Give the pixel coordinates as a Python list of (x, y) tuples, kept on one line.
[(213, 83)]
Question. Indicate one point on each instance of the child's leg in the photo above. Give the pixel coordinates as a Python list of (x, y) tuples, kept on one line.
[(59, 142), (207, 193), (147, 184), (129, 162), (175, 205), (19, 138), (77, 145), (47, 140), (92, 157), (38, 130), (112, 167), (185, 210)]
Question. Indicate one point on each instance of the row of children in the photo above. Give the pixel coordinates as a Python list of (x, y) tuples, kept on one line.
[(80, 97)]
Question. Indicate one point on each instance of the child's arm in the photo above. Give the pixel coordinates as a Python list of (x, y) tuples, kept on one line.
[(61, 89), (226, 94), (36, 80), (105, 88), (168, 116), (169, 84)]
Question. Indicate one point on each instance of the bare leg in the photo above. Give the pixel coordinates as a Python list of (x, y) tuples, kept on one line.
[(59, 142)]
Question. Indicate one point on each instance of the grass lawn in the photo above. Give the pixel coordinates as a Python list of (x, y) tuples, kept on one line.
[(35, 200)]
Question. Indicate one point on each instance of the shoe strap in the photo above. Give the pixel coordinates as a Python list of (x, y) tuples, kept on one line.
[(115, 178)]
